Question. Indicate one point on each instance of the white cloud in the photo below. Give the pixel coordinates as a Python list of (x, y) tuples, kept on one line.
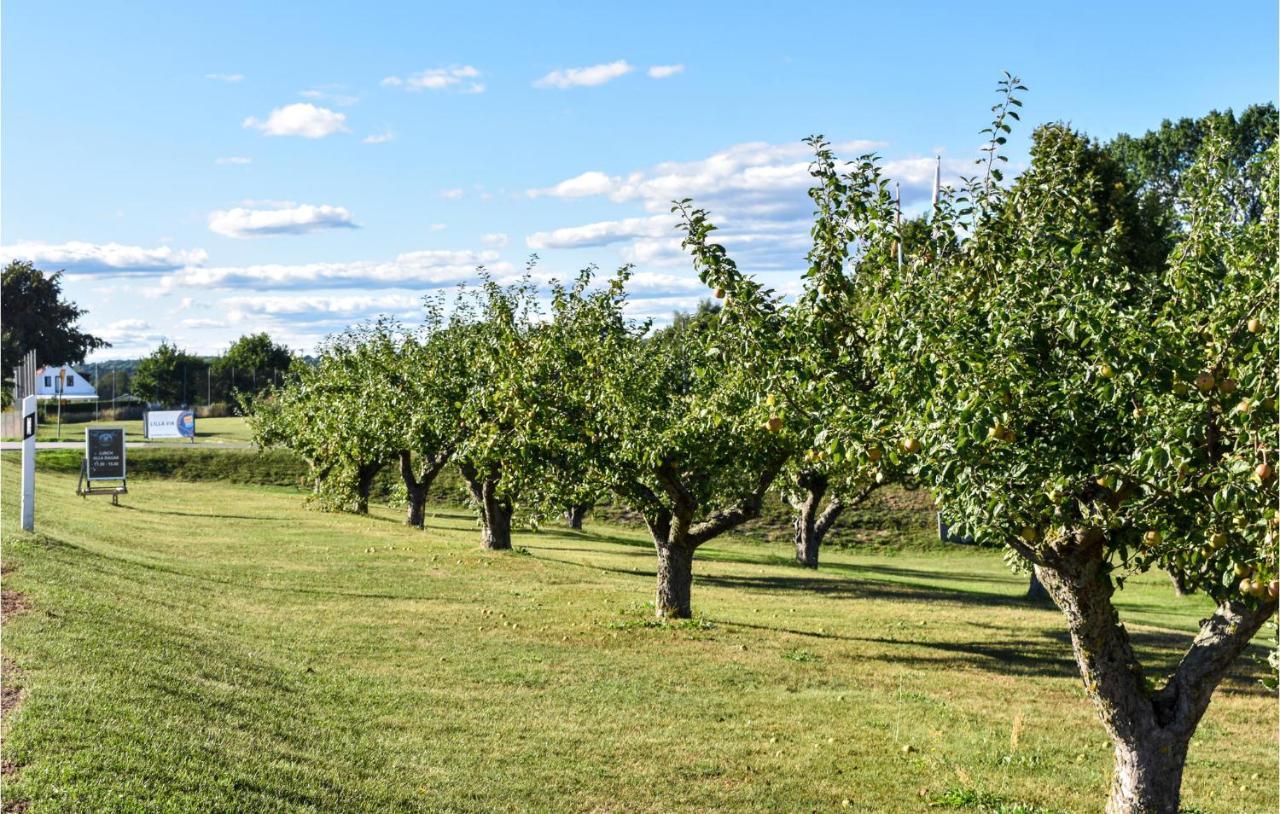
[(495, 239), (128, 337), (225, 77), (237, 160), (300, 119), (460, 78), (664, 71), (379, 138), (585, 77), (588, 183), (240, 307), (78, 257), (602, 233), (203, 324), (241, 222), (757, 193), (452, 194), (438, 227), (334, 94), (430, 268)]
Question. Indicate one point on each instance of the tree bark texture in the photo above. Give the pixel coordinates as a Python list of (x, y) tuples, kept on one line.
[(676, 536), (495, 511), (364, 485), (418, 484), (576, 514), (810, 524), (1150, 731)]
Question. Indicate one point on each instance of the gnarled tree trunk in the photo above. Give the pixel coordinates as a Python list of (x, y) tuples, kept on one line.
[(576, 514), (1150, 732), (811, 526), (676, 536), (364, 485), (418, 485), (675, 581), (495, 511)]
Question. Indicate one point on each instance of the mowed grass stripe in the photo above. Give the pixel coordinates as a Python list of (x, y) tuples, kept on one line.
[(219, 648)]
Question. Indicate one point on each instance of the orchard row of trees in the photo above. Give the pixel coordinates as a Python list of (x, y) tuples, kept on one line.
[(1075, 366)]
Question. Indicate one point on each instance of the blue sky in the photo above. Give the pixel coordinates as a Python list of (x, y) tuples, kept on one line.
[(207, 170)]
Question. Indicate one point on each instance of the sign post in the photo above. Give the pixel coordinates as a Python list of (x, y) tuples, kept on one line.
[(104, 460), (29, 463)]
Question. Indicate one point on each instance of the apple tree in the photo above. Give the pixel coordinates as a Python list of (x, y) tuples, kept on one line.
[(430, 381), (677, 434), (822, 390), (342, 415), (521, 440), (1104, 409)]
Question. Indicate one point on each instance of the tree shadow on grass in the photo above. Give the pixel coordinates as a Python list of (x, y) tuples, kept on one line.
[(195, 514), (107, 561), (613, 539), (849, 588), (917, 573)]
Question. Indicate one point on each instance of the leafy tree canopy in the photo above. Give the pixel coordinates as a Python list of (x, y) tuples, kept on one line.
[(167, 375), (254, 351), (36, 317)]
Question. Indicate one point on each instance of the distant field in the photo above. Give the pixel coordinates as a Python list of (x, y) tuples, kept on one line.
[(207, 647), (232, 430)]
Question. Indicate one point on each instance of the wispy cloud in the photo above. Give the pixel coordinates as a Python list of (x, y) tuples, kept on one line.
[(334, 94), (225, 77), (378, 138), (495, 239), (242, 222), (437, 267), (78, 257), (585, 77), (757, 193), (664, 71), (236, 160), (452, 194), (579, 186), (300, 119), (602, 233), (203, 323), (459, 78)]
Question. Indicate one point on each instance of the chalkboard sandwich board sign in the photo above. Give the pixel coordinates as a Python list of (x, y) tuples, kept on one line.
[(104, 460)]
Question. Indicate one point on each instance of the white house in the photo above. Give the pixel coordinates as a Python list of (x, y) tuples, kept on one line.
[(64, 381)]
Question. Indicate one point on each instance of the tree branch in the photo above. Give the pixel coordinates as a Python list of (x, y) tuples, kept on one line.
[(1223, 636), (828, 517), (745, 509)]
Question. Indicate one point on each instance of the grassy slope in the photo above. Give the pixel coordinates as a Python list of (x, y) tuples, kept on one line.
[(208, 431), (209, 647)]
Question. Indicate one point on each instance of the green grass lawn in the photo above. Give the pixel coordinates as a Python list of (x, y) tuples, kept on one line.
[(209, 647), (208, 431)]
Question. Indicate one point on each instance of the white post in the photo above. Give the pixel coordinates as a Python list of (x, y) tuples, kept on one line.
[(937, 181), (29, 463)]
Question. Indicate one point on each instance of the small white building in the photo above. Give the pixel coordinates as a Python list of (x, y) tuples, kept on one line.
[(64, 382)]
